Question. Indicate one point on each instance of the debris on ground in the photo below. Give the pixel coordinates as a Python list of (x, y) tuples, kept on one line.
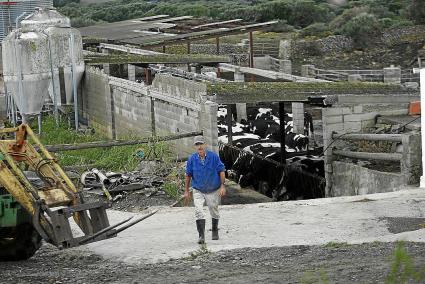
[(154, 183)]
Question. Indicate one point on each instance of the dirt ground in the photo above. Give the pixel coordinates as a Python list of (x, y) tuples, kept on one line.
[(333, 263)]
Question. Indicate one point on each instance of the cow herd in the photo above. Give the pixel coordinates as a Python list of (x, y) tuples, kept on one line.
[(254, 156)]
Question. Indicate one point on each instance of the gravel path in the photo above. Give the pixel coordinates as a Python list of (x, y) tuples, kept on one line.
[(335, 263)]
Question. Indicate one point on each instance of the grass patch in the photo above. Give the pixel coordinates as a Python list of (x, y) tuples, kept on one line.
[(203, 250), (174, 184), (122, 158), (403, 269), (311, 277)]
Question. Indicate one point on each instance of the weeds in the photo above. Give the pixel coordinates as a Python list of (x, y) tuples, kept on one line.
[(403, 268), (121, 158), (203, 250), (311, 277)]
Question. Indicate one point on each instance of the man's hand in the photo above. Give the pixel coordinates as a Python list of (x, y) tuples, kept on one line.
[(187, 197), (222, 191)]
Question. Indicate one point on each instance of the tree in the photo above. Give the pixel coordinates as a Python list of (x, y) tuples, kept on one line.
[(417, 11)]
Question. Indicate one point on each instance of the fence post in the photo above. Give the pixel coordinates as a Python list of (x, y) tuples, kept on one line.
[(285, 66), (106, 66), (306, 72), (285, 49), (298, 117), (392, 75), (208, 119), (241, 112), (411, 162), (131, 72), (354, 77), (332, 121)]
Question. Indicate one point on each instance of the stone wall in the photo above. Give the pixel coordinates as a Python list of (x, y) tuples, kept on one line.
[(121, 108), (298, 48), (403, 35)]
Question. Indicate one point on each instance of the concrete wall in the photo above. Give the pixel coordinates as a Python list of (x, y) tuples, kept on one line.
[(121, 108), (3, 114), (350, 179), (132, 109), (96, 101)]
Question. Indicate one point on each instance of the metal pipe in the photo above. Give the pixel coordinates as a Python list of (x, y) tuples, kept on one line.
[(422, 86), (55, 102), (369, 156), (39, 123), (229, 125), (18, 19), (282, 133), (74, 79)]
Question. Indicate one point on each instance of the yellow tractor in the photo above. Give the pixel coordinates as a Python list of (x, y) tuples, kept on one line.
[(31, 212)]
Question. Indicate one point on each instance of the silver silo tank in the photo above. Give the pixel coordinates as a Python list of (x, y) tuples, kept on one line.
[(59, 32), (26, 69)]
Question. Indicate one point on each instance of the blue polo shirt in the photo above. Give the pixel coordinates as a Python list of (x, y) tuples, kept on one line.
[(205, 175)]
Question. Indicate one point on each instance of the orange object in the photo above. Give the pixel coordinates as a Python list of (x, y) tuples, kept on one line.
[(415, 108)]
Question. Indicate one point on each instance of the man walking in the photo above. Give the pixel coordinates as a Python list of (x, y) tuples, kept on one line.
[(205, 175)]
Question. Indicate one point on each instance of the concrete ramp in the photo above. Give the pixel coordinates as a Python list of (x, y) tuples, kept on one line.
[(171, 233)]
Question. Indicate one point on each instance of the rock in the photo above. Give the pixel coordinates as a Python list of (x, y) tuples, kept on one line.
[(411, 85)]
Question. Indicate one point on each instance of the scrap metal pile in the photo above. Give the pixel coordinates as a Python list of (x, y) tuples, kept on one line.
[(111, 184)]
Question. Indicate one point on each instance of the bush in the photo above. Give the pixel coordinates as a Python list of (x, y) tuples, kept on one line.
[(417, 11), (316, 29), (362, 29), (82, 22), (346, 16)]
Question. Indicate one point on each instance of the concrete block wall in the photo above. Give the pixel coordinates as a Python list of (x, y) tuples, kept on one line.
[(121, 108), (341, 120), (180, 88), (340, 175), (131, 110), (96, 101)]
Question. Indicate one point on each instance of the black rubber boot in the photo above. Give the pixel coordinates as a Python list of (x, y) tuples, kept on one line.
[(214, 229), (200, 224)]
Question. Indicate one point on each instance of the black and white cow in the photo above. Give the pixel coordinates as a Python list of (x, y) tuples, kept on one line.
[(260, 135)]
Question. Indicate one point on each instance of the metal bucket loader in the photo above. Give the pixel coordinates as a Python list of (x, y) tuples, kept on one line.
[(29, 213)]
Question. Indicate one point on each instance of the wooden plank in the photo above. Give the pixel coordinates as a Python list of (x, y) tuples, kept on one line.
[(155, 59), (200, 35), (128, 49), (156, 17), (117, 143), (369, 137), (216, 24)]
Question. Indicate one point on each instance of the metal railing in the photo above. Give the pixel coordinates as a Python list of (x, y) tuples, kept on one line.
[(343, 75)]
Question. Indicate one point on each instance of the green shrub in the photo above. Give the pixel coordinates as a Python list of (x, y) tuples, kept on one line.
[(362, 29), (316, 29), (417, 11), (346, 16)]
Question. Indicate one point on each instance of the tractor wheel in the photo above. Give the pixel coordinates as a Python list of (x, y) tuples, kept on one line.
[(21, 245)]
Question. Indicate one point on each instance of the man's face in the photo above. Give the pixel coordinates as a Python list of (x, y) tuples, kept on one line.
[(200, 148)]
